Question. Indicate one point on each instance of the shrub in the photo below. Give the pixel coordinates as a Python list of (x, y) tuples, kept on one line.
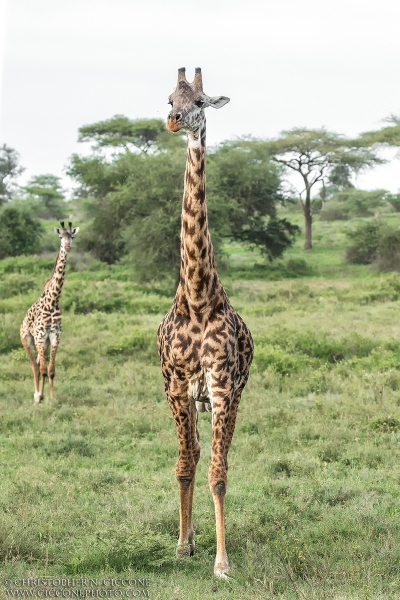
[(334, 214), (9, 332), (388, 255), (360, 203), (365, 243), (297, 267), (29, 265), (15, 284), (141, 345), (106, 296), (20, 231), (394, 200)]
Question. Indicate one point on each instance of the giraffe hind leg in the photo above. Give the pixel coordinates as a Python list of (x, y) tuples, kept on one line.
[(28, 344)]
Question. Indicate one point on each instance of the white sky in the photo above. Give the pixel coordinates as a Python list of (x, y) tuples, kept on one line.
[(283, 63)]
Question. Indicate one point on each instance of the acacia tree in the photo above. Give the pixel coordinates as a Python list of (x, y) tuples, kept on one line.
[(133, 197), (315, 154), (244, 186), (47, 189), (20, 231), (388, 136), (132, 135), (10, 169)]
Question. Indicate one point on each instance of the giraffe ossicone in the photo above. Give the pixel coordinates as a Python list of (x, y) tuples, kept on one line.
[(205, 347), (41, 327)]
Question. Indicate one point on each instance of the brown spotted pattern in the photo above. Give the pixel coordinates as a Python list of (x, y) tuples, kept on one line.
[(205, 347), (41, 327)]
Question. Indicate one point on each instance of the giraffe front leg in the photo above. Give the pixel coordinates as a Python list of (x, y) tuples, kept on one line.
[(184, 413), (217, 476), (28, 344), (51, 372), (186, 548), (41, 348)]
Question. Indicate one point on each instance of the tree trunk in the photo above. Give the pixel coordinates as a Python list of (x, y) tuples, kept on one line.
[(308, 221), (323, 196)]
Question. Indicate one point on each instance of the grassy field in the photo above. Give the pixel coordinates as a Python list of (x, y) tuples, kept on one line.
[(313, 503)]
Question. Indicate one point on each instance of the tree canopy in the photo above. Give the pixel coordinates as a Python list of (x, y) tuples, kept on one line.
[(247, 186), (134, 198), (10, 169), (48, 191), (386, 136), (140, 135), (20, 231), (351, 202), (315, 154)]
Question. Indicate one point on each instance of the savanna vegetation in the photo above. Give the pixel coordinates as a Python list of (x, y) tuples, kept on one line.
[(88, 486)]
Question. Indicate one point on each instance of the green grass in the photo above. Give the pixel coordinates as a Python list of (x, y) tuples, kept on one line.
[(88, 487)]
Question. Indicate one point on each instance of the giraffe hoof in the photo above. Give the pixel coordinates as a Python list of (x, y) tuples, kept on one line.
[(221, 569), (183, 550), (37, 397), (221, 575)]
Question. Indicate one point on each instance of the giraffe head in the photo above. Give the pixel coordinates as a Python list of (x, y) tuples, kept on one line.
[(188, 102), (66, 235)]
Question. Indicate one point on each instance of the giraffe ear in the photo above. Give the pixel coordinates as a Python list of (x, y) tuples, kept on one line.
[(57, 230), (75, 230), (217, 101)]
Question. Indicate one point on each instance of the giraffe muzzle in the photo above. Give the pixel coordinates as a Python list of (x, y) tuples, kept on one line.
[(174, 122)]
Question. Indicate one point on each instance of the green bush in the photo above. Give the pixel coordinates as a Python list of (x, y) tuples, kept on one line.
[(388, 255), (365, 242), (20, 231), (316, 346), (360, 203), (394, 200), (375, 242), (278, 360), (297, 267), (29, 265), (141, 345), (9, 332), (334, 214), (107, 296), (14, 284)]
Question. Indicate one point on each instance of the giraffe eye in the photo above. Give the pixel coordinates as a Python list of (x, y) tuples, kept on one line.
[(170, 102), (199, 103)]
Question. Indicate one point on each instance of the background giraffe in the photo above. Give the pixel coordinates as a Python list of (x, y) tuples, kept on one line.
[(41, 326), (205, 348)]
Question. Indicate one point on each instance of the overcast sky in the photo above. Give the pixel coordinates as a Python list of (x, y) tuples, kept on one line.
[(283, 63)]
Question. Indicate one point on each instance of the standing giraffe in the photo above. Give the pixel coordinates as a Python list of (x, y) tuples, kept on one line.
[(205, 348), (42, 324)]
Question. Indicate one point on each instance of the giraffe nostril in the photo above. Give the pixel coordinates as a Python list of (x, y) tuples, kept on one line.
[(178, 117)]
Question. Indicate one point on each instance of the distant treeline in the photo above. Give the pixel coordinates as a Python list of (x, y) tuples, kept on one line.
[(129, 191)]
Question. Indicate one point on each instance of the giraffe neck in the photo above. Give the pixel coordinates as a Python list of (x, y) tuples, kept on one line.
[(53, 286), (199, 284)]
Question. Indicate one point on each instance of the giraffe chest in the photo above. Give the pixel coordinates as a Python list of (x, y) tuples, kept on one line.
[(191, 348)]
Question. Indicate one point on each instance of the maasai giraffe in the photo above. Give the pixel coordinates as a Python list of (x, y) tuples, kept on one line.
[(42, 324), (204, 346)]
